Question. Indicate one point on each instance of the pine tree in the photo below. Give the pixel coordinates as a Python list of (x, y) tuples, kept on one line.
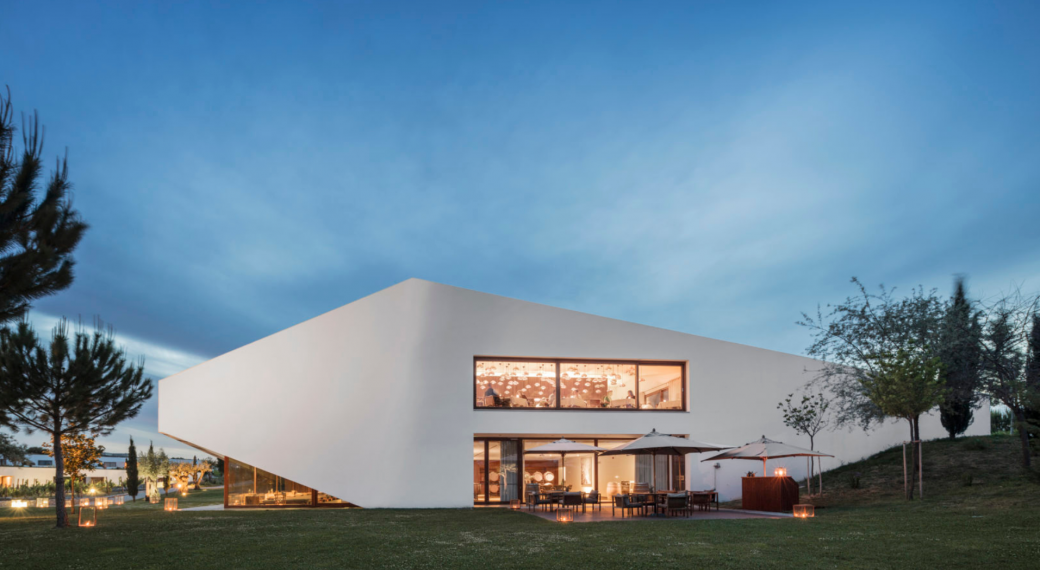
[(133, 482), (958, 350), (37, 238), (79, 383)]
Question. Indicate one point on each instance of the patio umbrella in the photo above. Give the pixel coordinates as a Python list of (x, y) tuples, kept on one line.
[(563, 447), (767, 449), (654, 444)]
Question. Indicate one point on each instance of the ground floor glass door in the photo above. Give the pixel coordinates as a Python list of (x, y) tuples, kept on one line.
[(496, 471)]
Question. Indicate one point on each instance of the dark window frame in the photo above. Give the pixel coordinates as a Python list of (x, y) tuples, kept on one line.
[(560, 362)]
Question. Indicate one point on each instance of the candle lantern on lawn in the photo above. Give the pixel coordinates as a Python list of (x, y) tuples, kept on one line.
[(19, 504), (42, 503), (88, 517), (804, 511), (84, 502), (171, 505), (101, 502), (514, 504), (780, 472), (564, 515), (118, 500)]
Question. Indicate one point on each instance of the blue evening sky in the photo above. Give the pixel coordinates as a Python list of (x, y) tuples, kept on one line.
[(708, 167)]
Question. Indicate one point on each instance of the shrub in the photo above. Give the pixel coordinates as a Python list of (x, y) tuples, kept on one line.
[(854, 480)]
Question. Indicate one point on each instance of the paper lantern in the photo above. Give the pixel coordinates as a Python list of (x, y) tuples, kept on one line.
[(87, 517), (170, 505), (564, 515), (804, 511)]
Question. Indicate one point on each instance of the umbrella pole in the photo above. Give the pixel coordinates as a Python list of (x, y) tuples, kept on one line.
[(653, 472), (764, 467), (821, 477)]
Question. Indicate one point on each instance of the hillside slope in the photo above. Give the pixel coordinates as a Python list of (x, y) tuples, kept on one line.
[(983, 471)]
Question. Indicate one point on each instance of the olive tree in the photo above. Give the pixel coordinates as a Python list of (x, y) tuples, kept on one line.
[(809, 417), (850, 337)]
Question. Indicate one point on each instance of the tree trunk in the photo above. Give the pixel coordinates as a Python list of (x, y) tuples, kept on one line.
[(909, 481), (1023, 434), (59, 482), (812, 464)]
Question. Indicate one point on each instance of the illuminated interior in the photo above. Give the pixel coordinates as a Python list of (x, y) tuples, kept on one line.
[(499, 464), (558, 384), (246, 486)]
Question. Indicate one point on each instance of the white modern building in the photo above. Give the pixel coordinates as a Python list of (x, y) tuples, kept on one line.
[(426, 395)]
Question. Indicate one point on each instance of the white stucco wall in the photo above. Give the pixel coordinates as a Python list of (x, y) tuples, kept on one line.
[(40, 475), (373, 402)]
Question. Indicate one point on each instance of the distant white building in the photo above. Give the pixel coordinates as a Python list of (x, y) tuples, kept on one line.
[(108, 460), (41, 469), (426, 395)]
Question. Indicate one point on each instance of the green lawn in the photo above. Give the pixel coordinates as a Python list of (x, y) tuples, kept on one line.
[(994, 522)]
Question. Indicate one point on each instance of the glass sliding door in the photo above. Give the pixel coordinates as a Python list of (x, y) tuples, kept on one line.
[(496, 471), (503, 463), (479, 471)]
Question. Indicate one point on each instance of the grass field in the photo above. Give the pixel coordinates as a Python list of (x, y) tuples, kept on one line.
[(995, 522)]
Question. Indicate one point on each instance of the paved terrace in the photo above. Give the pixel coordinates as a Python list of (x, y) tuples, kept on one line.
[(604, 515)]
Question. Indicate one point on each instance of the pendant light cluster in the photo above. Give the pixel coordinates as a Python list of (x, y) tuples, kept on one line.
[(537, 380)]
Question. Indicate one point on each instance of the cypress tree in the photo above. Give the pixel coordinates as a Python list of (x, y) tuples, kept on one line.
[(1032, 398), (133, 482), (959, 352)]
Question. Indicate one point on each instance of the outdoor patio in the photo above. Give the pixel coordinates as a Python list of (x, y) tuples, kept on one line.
[(591, 515)]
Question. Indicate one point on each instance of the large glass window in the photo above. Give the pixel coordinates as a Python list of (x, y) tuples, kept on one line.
[(660, 387), (248, 486), (576, 472), (579, 384), (617, 473), (515, 384), (499, 464)]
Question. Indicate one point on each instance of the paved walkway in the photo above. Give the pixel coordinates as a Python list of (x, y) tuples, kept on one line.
[(205, 508)]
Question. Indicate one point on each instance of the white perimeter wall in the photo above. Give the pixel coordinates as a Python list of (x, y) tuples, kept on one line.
[(40, 475), (373, 402)]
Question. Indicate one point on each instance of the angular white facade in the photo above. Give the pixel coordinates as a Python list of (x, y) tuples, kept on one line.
[(374, 402)]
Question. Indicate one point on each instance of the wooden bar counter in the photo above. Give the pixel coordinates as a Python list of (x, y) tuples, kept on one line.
[(773, 494)]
